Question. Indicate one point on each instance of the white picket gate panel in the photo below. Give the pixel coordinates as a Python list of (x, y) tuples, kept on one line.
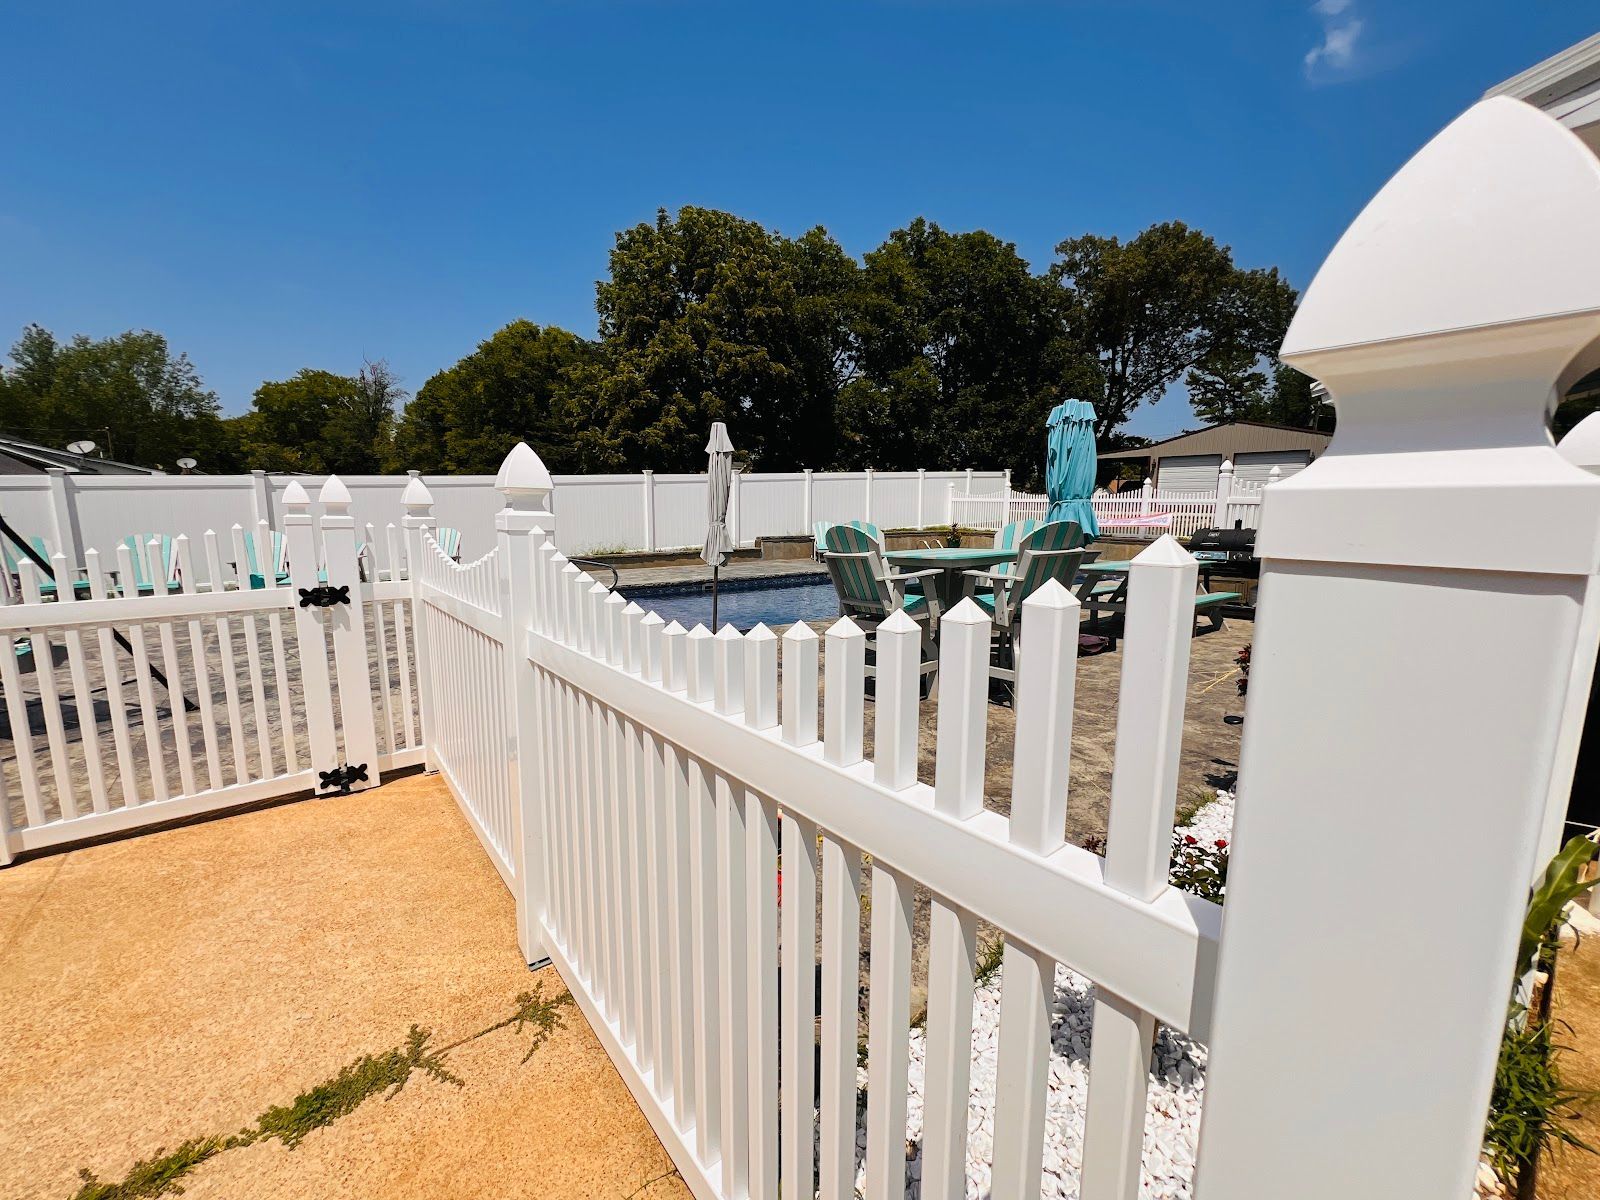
[(129, 707)]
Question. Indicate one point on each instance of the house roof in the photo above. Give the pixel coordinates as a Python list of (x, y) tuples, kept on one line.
[(1565, 85), (1232, 437), (20, 457)]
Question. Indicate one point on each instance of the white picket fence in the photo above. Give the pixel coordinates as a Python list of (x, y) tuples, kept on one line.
[(644, 511), (661, 776), (1143, 512), (215, 695)]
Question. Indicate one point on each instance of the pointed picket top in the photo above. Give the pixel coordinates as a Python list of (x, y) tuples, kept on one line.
[(652, 617), (1494, 222), (673, 629), (844, 627), (967, 612), (1165, 551), (416, 494), (294, 496), (699, 632), (729, 634), (613, 598), (523, 473), (632, 609), (598, 589), (899, 622), (799, 632), (560, 561), (761, 634), (1051, 594)]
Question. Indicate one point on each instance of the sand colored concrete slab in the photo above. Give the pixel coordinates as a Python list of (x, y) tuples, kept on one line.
[(176, 985)]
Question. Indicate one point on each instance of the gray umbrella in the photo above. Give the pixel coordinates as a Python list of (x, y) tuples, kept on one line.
[(719, 484)]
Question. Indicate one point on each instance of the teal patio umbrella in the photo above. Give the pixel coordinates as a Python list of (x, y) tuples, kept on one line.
[(1069, 464)]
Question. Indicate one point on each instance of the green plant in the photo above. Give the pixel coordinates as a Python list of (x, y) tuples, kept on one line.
[(1530, 1110), (990, 955), (156, 1176)]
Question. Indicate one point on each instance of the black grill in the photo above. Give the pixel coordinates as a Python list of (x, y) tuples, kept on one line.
[(1236, 547)]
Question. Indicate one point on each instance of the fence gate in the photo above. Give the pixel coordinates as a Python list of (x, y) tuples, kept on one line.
[(166, 680)]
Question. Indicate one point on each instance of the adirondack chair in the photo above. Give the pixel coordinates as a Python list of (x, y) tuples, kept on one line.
[(870, 591), (449, 541), (1007, 537), (819, 538), (278, 560), (14, 558), (155, 568), (1046, 552)]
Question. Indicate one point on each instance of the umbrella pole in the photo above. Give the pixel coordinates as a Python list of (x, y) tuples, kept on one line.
[(714, 572)]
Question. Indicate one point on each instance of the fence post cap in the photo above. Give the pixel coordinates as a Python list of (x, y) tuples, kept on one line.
[(1518, 240), (844, 627), (899, 622), (800, 632), (416, 494), (1165, 551), (761, 633), (1227, 465), (965, 613), (334, 494), (294, 496), (728, 634), (632, 608), (1051, 594), (523, 473), (673, 629), (652, 618)]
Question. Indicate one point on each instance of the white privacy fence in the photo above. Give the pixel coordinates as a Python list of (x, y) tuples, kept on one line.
[(1143, 512), (127, 706), (659, 777), (598, 513)]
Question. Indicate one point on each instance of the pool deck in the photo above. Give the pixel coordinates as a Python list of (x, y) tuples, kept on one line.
[(697, 572)]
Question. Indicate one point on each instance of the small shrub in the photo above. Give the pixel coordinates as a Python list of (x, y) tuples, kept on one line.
[(1199, 868)]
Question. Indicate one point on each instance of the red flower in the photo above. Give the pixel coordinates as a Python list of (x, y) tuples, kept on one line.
[(1190, 840), (1222, 843)]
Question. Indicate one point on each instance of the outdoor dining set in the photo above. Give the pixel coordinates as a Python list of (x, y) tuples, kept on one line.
[(874, 582)]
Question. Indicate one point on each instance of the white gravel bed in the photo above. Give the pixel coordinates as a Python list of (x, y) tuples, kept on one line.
[(1177, 1083)]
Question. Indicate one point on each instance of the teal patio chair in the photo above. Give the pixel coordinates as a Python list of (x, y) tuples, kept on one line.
[(14, 558), (154, 568), (1046, 552), (819, 538), (278, 560), (870, 590), (1007, 537)]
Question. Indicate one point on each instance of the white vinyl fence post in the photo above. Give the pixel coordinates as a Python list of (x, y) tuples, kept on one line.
[(922, 480), (418, 502), (950, 503), (1224, 494), (1389, 567), (733, 507), (809, 505), (521, 527), (649, 511), (1145, 494), (310, 636), (867, 514), (64, 519), (348, 621), (1005, 503)]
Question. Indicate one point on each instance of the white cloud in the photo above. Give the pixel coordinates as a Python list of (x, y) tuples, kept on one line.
[(1341, 30)]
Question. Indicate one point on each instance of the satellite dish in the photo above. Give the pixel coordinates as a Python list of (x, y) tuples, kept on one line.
[(187, 464), (83, 447)]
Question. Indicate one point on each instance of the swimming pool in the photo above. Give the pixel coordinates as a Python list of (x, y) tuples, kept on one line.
[(775, 600)]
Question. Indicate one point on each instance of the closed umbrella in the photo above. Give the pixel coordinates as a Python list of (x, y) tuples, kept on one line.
[(719, 483), (1069, 464)]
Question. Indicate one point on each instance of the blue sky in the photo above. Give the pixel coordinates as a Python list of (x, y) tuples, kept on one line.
[(307, 184)]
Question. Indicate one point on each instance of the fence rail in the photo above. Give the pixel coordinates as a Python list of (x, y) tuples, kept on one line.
[(1144, 512)]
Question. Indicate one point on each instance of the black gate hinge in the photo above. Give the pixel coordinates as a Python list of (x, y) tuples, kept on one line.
[(324, 596), (337, 781)]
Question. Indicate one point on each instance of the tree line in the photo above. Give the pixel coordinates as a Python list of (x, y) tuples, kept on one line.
[(936, 348)]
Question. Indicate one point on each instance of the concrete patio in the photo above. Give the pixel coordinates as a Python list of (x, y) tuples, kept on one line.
[(193, 983)]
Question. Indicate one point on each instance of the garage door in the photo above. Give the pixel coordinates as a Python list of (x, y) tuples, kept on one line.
[(1189, 473), (1257, 467)]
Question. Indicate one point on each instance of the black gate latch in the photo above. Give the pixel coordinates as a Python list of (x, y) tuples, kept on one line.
[(337, 781), (324, 596)]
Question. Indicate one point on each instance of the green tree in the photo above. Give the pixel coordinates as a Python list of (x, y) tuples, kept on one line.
[(961, 355), (320, 422), (512, 387), (708, 317), (1168, 302), (129, 393)]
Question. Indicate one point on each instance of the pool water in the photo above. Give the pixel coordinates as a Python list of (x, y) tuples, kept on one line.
[(743, 603)]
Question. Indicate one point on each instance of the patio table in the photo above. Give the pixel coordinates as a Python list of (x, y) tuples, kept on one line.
[(950, 561)]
